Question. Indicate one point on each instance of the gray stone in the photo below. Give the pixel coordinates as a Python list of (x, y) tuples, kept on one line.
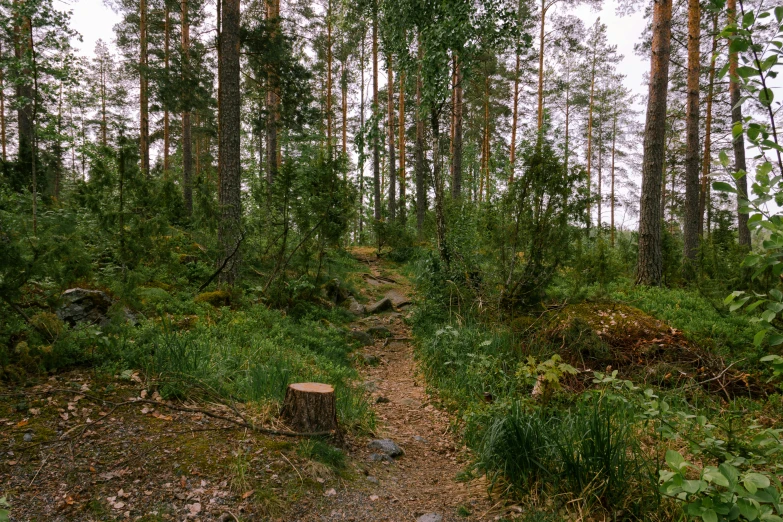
[(380, 457), (380, 306), (80, 305), (397, 298), (430, 517), (355, 307), (363, 337), (371, 360), (387, 446), (419, 438), (28, 436), (372, 479), (379, 332)]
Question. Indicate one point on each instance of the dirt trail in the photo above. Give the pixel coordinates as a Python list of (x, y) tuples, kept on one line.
[(423, 481)]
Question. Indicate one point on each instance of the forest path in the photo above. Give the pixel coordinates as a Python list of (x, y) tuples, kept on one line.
[(423, 482)]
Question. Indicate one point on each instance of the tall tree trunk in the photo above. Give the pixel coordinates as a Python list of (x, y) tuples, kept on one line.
[(166, 53), (329, 78), (144, 117), (614, 141), (541, 67), (707, 157), (485, 148), (599, 213), (590, 140), (2, 112), (376, 159), (421, 188), (456, 182), (401, 144), (649, 265), (440, 218), (567, 151), (187, 146), (691, 218), (361, 142), (392, 160), (104, 140), (514, 121), (229, 229), (24, 97), (344, 91), (272, 96), (739, 142)]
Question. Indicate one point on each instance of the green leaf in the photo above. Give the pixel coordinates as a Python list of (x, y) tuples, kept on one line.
[(709, 515), (730, 472), (747, 509), (748, 19), (674, 460), (746, 71), (766, 96), (691, 486), (779, 14), (724, 158), (776, 294), (722, 186), (775, 339), (757, 479), (759, 337), (712, 474)]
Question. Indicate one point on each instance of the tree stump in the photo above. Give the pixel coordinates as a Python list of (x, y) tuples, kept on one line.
[(309, 407)]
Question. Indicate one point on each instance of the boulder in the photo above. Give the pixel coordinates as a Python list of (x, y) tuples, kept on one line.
[(363, 337), (380, 306), (354, 306), (80, 305), (430, 517), (387, 447), (397, 298)]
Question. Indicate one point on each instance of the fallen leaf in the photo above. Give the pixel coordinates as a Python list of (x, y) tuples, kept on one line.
[(143, 394), (92, 469), (64, 416), (12, 463), (145, 410), (373, 497), (23, 422), (248, 493), (161, 416), (194, 509), (35, 411), (330, 492), (183, 481)]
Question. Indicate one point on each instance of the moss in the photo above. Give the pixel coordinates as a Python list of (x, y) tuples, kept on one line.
[(216, 298)]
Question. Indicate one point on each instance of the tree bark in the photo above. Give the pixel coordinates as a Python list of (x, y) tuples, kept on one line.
[(2, 112), (649, 265), (392, 159), (24, 91), (691, 217), (739, 142), (229, 229), (329, 122), (272, 96), (707, 158), (401, 144), (514, 121), (166, 52), (541, 67), (376, 159), (344, 91), (310, 407), (361, 142), (440, 218), (614, 141), (456, 183), (421, 189), (187, 145), (144, 118), (590, 140)]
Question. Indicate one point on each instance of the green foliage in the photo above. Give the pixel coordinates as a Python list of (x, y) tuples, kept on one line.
[(320, 451), (545, 376)]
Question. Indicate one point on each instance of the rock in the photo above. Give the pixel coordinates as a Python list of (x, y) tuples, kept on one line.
[(379, 457), (419, 438), (372, 479), (363, 337), (379, 332), (397, 298), (380, 306), (371, 360), (430, 517), (28, 436), (335, 291), (80, 305), (387, 446), (382, 400), (355, 307)]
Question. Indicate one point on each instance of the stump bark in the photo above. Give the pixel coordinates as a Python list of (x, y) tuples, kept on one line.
[(309, 407)]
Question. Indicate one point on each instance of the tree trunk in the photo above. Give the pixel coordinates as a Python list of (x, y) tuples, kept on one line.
[(440, 218), (104, 141), (187, 146), (24, 97), (485, 147), (229, 229), (707, 158), (541, 67), (691, 217), (614, 141), (144, 118), (2, 113), (514, 121), (456, 184), (329, 78), (344, 91), (421, 189), (739, 142), (401, 144), (392, 159), (376, 159), (272, 96), (166, 52), (590, 140), (599, 213), (361, 143), (649, 266), (310, 407)]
